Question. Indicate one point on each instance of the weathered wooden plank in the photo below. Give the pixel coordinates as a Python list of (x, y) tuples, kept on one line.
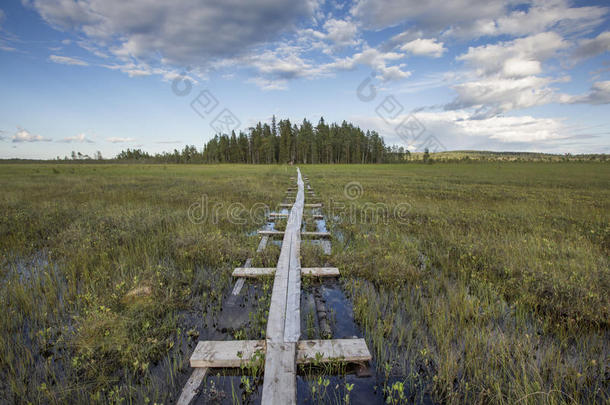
[(349, 350), (279, 384), (240, 283), (283, 322), (285, 215), (268, 271), (191, 388), (253, 271), (308, 234), (314, 205), (227, 353), (233, 353), (316, 234), (320, 271)]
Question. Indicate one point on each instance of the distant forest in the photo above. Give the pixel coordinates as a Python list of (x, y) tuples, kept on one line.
[(284, 142)]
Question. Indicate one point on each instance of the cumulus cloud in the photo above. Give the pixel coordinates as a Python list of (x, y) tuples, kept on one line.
[(119, 140), (538, 16), (23, 135), (182, 32), (590, 47), (80, 138), (340, 32), (506, 75), (477, 18), (66, 60), (425, 47), (599, 94), (435, 14), (375, 59), (459, 130), (492, 58)]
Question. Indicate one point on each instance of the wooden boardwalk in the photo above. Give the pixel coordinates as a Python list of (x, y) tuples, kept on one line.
[(282, 346)]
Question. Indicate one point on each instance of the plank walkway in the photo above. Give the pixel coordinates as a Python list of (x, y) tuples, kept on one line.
[(282, 348), (269, 271)]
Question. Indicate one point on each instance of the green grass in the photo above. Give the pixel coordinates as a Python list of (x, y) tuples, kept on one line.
[(492, 288)]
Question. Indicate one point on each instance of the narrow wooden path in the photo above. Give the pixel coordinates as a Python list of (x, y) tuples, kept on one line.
[(282, 347)]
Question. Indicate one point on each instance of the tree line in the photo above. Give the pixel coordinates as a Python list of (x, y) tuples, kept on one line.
[(284, 142)]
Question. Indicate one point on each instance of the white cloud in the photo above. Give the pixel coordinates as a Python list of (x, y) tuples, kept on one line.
[(81, 138), (66, 60), (375, 59), (590, 47), (599, 94), (497, 95), (433, 14), (119, 140), (23, 135), (459, 130), (426, 47), (476, 18), (492, 58), (269, 84), (506, 75), (182, 32), (341, 32), (538, 16)]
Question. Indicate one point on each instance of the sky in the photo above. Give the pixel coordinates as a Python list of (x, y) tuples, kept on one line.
[(106, 75)]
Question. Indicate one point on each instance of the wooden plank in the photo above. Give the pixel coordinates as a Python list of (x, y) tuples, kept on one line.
[(284, 215), (320, 271), (191, 388), (234, 353), (227, 353), (253, 271), (349, 350), (270, 233), (283, 322), (279, 384), (262, 245), (308, 234), (316, 234), (288, 205), (239, 284), (268, 271)]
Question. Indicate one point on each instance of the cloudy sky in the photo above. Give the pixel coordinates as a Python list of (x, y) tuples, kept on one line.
[(105, 75)]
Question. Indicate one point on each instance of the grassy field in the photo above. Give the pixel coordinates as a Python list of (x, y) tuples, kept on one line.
[(474, 282)]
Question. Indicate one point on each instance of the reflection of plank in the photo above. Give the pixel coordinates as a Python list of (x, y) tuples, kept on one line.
[(236, 352), (308, 234), (229, 353), (191, 387), (268, 271), (349, 350)]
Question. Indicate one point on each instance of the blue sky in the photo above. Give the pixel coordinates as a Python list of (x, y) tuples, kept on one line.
[(89, 75)]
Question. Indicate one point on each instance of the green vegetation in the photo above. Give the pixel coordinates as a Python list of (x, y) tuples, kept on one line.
[(494, 286), (491, 288), (103, 276)]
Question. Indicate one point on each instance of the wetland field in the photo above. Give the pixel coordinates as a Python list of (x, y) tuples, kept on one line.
[(479, 282)]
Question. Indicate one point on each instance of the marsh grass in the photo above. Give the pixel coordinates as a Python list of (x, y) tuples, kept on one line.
[(495, 287), (493, 290), (99, 264)]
